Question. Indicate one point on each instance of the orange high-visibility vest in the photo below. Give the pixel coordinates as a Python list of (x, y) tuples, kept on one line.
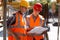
[(18, 29), (35, 23)]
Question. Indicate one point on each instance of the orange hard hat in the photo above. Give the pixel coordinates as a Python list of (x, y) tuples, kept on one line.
[(24, 4), (37, 7)]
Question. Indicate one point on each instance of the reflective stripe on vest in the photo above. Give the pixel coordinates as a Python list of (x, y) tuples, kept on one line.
[(18, 34)]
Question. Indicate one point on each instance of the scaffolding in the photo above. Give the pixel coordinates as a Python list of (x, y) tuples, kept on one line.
[(4, 18)]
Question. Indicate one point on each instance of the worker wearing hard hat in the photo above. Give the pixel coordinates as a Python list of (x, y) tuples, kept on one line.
[(34, 20), (16, 24)]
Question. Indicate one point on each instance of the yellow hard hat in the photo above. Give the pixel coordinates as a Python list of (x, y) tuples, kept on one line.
[(24, 3)]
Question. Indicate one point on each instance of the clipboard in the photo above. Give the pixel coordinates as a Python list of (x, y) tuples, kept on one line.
[(37, 30)]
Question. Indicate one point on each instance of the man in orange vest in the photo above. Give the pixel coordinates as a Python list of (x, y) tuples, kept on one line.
[(16, 24), (34, 20)]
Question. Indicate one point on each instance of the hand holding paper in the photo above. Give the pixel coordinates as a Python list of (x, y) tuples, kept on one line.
[(38, 30)]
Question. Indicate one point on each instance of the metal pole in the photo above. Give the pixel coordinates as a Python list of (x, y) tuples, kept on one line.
[(46, 5), (4, 18), (58, 20)]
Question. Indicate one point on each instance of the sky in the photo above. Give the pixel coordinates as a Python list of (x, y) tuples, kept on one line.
[(53, 0), (33, 0)]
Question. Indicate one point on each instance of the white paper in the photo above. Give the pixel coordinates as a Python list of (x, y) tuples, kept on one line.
[(1, 24), (38, 30)]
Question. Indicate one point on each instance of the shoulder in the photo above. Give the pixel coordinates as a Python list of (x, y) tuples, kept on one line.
[(41, 17), (28, 16), (16, 13)]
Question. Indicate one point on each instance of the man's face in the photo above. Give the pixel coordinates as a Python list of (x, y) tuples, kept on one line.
[(23, 9), (0, 0), (36, 12)]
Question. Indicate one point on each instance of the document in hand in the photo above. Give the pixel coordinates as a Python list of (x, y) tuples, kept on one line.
[(38, 30)]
